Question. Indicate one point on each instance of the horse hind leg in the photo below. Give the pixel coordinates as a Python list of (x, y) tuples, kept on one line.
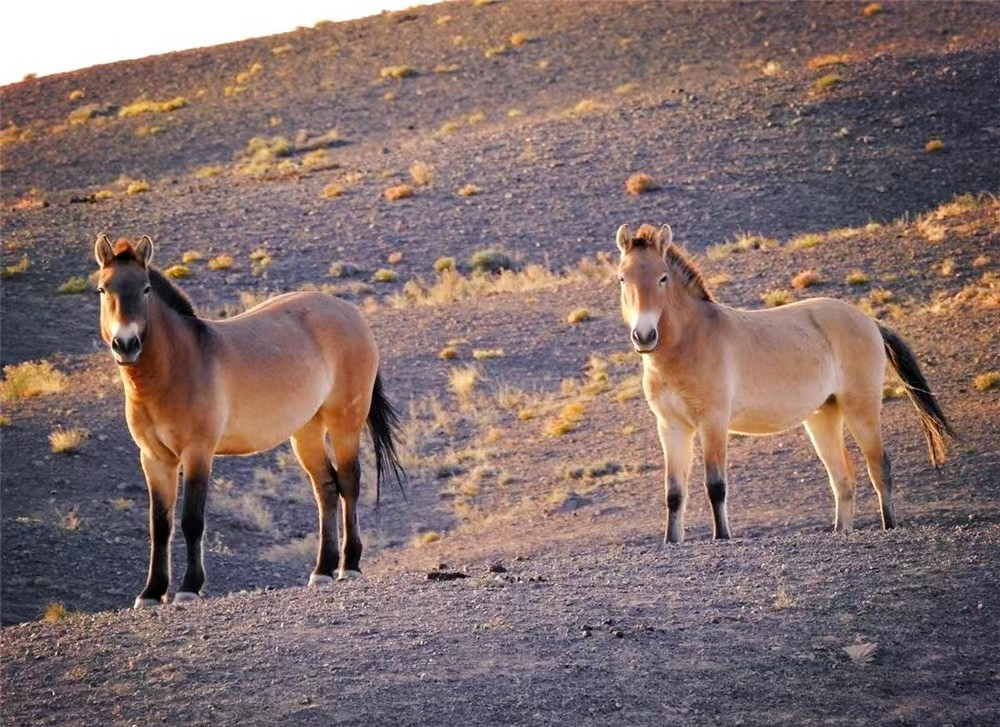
[(826, 430), (345, 427), (309, 446), (866, 427)]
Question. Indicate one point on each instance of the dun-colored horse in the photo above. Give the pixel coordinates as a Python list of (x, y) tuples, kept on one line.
[(299, 366), (710, 370)]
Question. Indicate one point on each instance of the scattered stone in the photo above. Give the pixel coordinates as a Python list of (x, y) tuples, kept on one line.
[(445, 575)]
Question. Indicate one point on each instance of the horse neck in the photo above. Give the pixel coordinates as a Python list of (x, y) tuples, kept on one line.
[(685, 321), (162, 358)]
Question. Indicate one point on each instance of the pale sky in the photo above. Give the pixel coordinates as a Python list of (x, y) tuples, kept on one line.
[(45, 37)]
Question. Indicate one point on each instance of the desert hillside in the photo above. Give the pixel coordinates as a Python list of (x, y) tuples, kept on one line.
[(458, 172)]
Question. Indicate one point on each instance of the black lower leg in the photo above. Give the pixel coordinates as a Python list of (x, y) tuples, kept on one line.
[(349, 492), (716, 487), (327, 557), (160, 523), (675, 513), (193, 526)]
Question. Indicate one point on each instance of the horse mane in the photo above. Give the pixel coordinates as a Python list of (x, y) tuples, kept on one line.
[(174, 297), (692, 277)]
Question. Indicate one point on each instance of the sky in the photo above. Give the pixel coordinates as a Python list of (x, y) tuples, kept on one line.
[(64, 35)]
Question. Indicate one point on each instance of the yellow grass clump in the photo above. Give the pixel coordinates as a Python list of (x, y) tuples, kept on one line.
[(190, 256), (825, 61), (398, 192), (857, 277), (568, 419), (520, 38), (137, 187), (776, 297), (54, 613), (986, 381), (66, 440), (73, 286), (825, 83), (384, 275), (397, 72), (871, 9), (639, 183), (578, 315), (462, 382), (31, 378), (18, 268), (806, 279), (177, 271), (221, 262), (332, 191), (934, 145), (468, 190), (152, 107)]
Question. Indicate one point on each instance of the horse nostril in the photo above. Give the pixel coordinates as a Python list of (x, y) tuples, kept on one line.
[(643, 340)]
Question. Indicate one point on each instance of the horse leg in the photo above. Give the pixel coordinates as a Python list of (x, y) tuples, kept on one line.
[(866, 428), (676, 440), (713, 445), (161, 480), (197, 469), (345, 451), (826, 430), (309, 445)]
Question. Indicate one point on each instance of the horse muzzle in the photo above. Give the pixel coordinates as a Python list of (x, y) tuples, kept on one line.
[(126, 350), (645, 342)]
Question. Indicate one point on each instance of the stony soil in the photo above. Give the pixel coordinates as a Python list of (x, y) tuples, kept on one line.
[(571, 611)]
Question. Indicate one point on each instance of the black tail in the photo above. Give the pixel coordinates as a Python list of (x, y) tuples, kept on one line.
[(383, 423), (932, 419)]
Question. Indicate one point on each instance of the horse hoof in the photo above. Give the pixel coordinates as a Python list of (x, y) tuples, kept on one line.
[(317, 580), (141, 603), (349, 575), (186, 597)]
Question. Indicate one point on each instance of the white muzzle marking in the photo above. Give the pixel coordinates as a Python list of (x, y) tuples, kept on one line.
[(644, 333)]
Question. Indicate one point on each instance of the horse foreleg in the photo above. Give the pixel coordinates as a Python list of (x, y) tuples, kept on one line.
[(676, 440), (161, 480), (713, 445), (197, 468)]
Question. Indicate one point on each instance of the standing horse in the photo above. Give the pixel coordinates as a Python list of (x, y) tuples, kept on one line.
[(710, 370), (299, 366)]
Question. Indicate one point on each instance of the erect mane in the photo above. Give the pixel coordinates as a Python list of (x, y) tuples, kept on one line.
[(170, 294), (673, 255)]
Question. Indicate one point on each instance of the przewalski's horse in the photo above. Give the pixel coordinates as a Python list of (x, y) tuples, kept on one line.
[(298, 366), (710, 370)]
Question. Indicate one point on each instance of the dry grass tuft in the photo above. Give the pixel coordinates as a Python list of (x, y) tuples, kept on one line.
[(484, 353), (639, 183), (397, 72), (31, 378), (744, 241), (491, 261), (73, 286), (221, 262), (54, 613), (67, 440), (517, 39), (578, 315), (332, 191), (826, 83), (448, 353), (421, 173), (567, 420), (445, 263), (18, 268), (806, 241), (857, 277), (384, 275), (191, 256), (776, 297), (152, 107), (178, 271), (806, 279), (398, 192), (987, 381), (447, 68), (861, 654), (462, 382), (138, 187), (825, 61), (123, 504), (468, 190), (871, 9), (583, 107), (934, 145), (431, 536), (296, 549)]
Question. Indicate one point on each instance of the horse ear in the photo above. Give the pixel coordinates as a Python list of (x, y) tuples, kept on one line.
[(103, 251), (144, 251), (623, 238), (664, 236)]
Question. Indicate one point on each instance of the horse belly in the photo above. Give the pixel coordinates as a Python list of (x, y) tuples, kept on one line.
[(768, 415), (265, 418)]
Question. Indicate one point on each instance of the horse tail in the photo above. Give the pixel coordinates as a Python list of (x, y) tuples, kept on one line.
[(932, 419), (383, 425)]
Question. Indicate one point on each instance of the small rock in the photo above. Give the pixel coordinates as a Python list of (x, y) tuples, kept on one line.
[(496, 568), (445, 575)]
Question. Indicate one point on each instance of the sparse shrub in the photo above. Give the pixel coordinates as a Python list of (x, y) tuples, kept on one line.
[(85, 113), (73, 286), (491, 261), (579, 315), (384, 275), (137, 187), (18, 268), (431, 536), (484, 353), (776, 297), (221, 262), (149, 107), (54, 613), (66, 440), (568, 419), (462, 382), (947, 267), (177, 271), (986, 381), (934, 145), (806, 279), (639, 183), (806, 241), (857, 277), (468, 190), (421, 173), (332, 190), (398, 72), (744, 241), (31, 378), (398, 192), (448, 353), (825, 83), (444, 263)]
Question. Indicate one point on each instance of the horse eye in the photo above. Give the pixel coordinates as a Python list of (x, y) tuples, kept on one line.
[(145, 291), (663, 279), (621, 280), (100, 291)]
